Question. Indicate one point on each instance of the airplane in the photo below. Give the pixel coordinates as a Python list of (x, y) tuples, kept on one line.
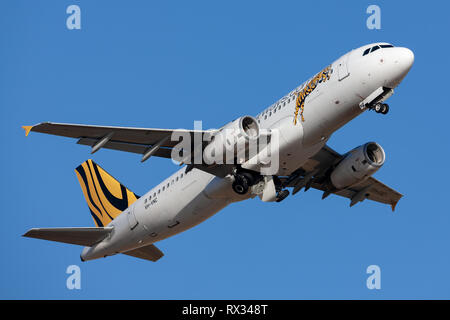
[(296, 127)]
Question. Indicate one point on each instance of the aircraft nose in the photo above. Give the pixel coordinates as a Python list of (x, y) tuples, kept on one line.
[(403, 59)]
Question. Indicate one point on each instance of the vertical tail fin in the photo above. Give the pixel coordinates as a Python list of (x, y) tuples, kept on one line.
[(105, 196)]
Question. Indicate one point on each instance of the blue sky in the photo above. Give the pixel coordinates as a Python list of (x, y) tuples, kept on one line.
[(166, 64)]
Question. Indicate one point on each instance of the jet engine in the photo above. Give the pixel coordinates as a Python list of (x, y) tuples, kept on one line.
[(232, 141), (358, 165)]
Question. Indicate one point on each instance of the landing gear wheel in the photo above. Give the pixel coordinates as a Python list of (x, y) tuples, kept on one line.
[(382, 108), (378, 107), (240, 185), (250, 179)]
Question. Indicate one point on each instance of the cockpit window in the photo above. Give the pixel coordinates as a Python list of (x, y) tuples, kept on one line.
[(374, 48)]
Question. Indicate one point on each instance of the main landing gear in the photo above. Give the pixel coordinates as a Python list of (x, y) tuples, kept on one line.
[(382, 108), (282, 194), (242, 182)]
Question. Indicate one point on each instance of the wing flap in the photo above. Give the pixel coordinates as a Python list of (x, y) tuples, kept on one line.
[(150, 252), (127, 147), (374, 189), (79, 236)]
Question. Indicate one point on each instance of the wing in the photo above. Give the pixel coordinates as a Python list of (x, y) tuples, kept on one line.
[(315, 172), (150, 252), (145, 141)]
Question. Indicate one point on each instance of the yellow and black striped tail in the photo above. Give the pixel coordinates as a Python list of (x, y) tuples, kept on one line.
[(105, 196)]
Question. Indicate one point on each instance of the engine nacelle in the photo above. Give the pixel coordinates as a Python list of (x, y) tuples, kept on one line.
[(232, 141), (358, 165)]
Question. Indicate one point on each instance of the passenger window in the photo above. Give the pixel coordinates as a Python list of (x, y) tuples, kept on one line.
[(279, 107), (154, 194), (159, 191), (265, 117), (164, 188)]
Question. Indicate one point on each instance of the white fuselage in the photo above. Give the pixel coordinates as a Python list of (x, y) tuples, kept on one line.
[(184, 200)]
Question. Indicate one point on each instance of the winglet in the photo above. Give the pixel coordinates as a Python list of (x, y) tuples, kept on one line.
[(393, 205), (27, 130)]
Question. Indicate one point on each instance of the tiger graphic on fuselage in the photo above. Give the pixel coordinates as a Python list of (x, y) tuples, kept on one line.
[(322, 76)]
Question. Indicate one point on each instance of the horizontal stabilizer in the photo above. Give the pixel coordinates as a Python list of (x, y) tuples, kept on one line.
[(150, 252), (80, 236)]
